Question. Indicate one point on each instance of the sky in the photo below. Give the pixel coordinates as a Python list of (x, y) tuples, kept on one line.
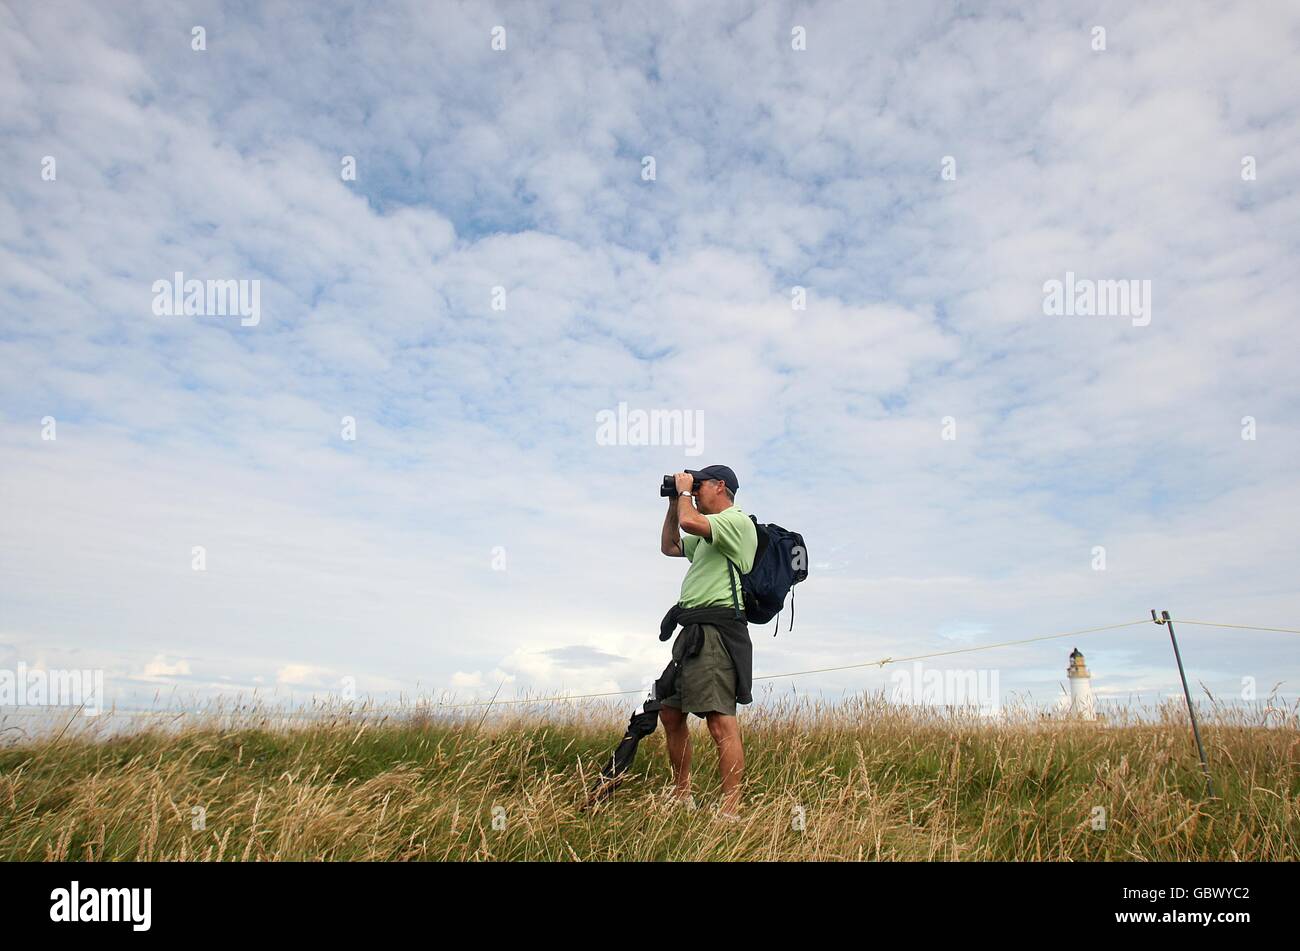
[(822, 232)]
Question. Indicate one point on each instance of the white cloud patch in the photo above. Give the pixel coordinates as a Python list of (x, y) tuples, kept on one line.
[(305, 675), (159, 666)]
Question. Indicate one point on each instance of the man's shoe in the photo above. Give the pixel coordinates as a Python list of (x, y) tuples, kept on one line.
[(674, 800)]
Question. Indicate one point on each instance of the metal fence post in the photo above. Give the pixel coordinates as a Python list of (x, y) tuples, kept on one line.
[(1166, 620)]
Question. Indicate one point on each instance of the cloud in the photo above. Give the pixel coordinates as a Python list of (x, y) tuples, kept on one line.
[(476, 680), (159, 667), (577, 656), (304, 675)]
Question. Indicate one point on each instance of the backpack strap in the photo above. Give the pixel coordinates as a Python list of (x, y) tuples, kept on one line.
[(777, 626), (735, 601)]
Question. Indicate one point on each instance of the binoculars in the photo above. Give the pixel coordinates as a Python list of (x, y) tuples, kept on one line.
[(669, 488)]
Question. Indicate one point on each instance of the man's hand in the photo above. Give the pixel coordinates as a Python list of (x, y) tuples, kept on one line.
[(685, 482)]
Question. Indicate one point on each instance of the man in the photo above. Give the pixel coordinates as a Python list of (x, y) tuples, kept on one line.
[(712, 665)]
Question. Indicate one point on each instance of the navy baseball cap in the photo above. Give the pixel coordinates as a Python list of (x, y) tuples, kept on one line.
[(717, 472)]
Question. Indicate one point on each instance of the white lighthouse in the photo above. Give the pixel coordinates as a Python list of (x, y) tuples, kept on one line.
[(1080, 687)]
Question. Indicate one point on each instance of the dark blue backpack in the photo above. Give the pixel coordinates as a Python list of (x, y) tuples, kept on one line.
[(780, 563)]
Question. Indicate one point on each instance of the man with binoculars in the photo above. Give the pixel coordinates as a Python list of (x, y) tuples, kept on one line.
[(712, 665)]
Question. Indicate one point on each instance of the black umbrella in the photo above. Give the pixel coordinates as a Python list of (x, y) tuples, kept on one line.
[(644, 721)]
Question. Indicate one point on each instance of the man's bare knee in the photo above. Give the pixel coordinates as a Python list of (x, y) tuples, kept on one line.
[(672, 719), (722, 727)]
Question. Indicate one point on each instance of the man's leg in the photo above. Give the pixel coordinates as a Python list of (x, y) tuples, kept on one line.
[(679, 748), (731, 758)]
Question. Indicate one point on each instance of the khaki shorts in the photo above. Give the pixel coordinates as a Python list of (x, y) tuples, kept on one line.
[(707, 681)]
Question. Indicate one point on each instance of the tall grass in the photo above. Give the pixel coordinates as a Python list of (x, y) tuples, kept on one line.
[(861, 780)]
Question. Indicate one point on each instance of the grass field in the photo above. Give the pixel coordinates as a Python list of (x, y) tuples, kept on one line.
[(870, 781)]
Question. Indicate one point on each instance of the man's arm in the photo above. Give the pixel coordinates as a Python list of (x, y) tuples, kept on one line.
[(688, 516), (670, 541)]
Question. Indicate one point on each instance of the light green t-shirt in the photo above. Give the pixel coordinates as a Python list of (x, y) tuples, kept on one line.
[(707, 582)]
